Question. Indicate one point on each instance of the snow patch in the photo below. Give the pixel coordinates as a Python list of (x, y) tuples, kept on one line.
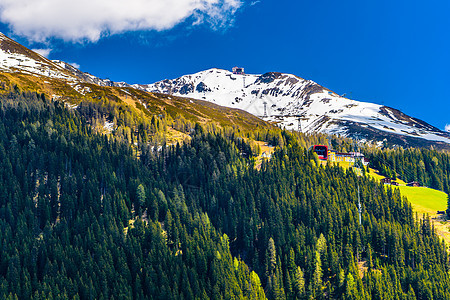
[(13, 62), (71, 106), (109, 126), (82, 89)]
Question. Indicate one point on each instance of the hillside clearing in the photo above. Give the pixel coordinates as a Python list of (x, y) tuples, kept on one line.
[(428, 201), (175, 136), (424, 200), (266, 153)]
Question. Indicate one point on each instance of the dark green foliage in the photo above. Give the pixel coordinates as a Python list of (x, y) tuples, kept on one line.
[(205, 222), (293, 204), (428, 167), (66, 196)]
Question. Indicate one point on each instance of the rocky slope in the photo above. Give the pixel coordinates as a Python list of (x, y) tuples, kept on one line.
[(299, 104)]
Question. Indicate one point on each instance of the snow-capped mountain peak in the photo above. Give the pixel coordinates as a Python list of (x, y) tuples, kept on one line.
[(299, 104)]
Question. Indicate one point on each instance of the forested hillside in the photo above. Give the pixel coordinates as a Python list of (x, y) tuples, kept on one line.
[(429, 167), (67, 195), (205, 224)]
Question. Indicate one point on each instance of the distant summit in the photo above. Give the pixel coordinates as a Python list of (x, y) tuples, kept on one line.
[(299, 104)]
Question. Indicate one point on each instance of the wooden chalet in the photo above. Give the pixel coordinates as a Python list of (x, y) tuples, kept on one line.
[(386, 180)]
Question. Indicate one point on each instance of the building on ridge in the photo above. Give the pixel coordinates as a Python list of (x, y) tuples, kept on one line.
[(238, 71)]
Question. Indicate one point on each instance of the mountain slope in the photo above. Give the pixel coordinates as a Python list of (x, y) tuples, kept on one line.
[(283, 99), (290, 99), (30, 71), (17, 58), (95, 216)]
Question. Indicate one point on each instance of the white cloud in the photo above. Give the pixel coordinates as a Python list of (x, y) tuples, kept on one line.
[(82, 20), (447, 128), (43, 52)]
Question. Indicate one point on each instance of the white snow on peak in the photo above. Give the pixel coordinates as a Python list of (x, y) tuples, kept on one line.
[(287, 100)]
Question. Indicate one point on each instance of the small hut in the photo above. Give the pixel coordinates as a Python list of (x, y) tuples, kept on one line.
[(386, 180), (238, 70)]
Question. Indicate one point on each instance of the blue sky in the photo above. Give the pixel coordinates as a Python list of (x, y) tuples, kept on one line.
[(394, 53)]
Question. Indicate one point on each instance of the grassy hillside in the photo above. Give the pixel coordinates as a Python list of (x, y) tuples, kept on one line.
[(428, 201), (425, 200), (140, 102)]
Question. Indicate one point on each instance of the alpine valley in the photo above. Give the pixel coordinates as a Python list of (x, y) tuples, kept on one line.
[(207, 187)]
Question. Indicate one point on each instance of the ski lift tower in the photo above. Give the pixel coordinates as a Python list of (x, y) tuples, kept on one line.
[(265, 109), (301, 118), (357, 157), (359, 206)]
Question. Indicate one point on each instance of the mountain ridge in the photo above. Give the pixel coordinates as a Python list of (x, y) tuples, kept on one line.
[(29, 71), (291, 100), (283, 99)]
